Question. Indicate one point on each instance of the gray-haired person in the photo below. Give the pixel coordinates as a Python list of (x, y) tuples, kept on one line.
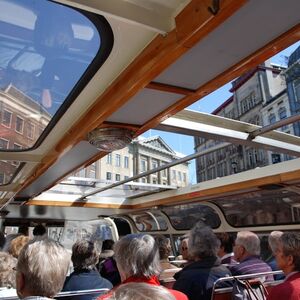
[(137, 259), (196, 279), (141, 291), (41, 269), (247, 251), (274, 242), (288, 260)]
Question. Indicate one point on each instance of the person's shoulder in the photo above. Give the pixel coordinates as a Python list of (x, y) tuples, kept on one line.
[(280, 291), (178, 295)]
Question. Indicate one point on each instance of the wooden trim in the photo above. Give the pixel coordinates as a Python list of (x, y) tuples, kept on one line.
[(77, 204), (169, 88), (275, 46), (158, 55)]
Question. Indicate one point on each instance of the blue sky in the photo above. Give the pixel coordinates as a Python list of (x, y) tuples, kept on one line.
[(185, 144)]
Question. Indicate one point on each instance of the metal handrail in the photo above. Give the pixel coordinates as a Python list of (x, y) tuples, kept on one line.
[(254, 275)]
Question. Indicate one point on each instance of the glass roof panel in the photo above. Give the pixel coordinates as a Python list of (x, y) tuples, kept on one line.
[(45, 48), (8, 170), (74, 188)]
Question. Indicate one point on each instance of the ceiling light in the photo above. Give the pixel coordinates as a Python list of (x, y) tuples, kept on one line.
[(110, 139)]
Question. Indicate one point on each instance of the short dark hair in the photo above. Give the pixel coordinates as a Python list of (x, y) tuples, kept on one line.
[(85, 254), (226, 240), (108, 245), (39, 230)]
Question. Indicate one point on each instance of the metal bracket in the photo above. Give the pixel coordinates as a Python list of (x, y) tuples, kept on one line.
[(214, 9)]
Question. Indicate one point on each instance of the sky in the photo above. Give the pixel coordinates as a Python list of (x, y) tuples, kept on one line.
[(185, 144)]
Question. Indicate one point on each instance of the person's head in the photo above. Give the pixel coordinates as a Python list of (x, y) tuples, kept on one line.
[(288, 252), (85, 255), (17, 245), (183, 248), (42, 268), (202, 242), (137, 255), (23, 229), (274, 240), (141, 291), (7, 273), (227, 241), (108, 245), (39, 230), (164, 246), (247, 243)]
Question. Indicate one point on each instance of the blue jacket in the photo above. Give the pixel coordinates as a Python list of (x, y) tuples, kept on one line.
[(196, 280), (85, 280)]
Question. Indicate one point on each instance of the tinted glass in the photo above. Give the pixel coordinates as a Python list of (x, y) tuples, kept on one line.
[(186, 216), (7, 170), (149, 221), (265, 207), (45, 48)]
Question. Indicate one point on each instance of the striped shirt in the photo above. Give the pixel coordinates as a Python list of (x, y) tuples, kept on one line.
[(250, 265)]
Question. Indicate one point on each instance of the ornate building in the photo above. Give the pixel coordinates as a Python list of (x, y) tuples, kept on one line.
[(141, 155), (253, 94)]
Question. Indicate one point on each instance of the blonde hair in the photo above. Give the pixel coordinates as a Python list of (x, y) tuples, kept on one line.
[(17, 245)]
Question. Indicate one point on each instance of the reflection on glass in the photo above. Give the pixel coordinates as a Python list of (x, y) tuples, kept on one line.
[(44, 50), (149, 221), (7, 170), (261, 208), (186, 216)]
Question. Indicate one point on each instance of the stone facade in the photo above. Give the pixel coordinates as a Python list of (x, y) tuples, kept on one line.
[(255, 95), (141, 155)]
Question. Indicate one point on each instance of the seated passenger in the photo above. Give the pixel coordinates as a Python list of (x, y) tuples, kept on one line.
[(39, 230), (85, 256), (246, 252), (274, 240), (108, 266), (288, 260), (164, 248), (141, 291), (7, 275), (196, 279), (138, 261), (17, 244), (41, 269), (225, 252)]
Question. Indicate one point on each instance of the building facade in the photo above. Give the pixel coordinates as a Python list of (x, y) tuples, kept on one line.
[(259, 97), (142, 155)]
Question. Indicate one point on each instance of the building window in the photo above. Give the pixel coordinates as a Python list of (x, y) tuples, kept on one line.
[(6, 118), (19, 124), (126, 162), (109, 158), (154, 164), (118, 177), (297, 90), (282, 113), (174, 174), (154, 181), (108, 175), (179, 176), (3, 144), (17, 146), (93, 170), (272, 118), (81, 173), (126, 177), (143, 164), (118, 160), (30, 130), (144, 180), (184, 177)]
